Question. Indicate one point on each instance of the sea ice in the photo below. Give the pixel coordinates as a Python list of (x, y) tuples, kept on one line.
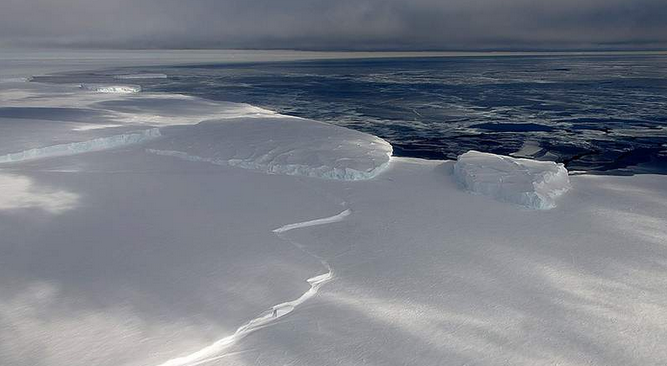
[(530, 183)]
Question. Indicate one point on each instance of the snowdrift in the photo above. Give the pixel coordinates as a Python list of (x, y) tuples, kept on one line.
[(530, 183)]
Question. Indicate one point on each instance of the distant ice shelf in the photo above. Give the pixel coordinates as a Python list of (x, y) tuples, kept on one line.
[(142, 76), (530, 183)]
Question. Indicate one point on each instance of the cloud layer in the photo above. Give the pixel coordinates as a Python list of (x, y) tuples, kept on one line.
[(340, 24)]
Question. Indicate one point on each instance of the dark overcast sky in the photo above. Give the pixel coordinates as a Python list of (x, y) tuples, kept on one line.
[(337, 24)]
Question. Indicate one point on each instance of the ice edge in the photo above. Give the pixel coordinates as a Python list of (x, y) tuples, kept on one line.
[(74, 148), (348, 174)]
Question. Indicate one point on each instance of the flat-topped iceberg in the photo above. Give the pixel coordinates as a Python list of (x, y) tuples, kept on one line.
[(280, 145), (116, 89), (530, 183)]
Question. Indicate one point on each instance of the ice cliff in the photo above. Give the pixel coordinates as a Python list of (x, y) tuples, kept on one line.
[(290, 146)]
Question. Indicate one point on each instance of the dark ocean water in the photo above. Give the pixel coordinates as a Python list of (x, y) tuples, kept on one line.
[(595, 113)]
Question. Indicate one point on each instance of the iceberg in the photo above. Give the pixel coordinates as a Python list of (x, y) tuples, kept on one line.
[(530, 183), (115, 89)]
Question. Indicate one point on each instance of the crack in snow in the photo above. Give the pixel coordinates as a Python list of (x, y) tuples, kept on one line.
[(211, 352)]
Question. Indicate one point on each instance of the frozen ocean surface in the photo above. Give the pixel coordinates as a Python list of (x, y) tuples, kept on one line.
[(603, 113), (162, 250)]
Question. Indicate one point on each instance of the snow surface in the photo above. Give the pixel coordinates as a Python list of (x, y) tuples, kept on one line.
[(122, 257), (530, 183), (211, 352)]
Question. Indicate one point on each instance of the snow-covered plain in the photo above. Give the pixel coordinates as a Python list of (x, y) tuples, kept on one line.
[(164, 230)]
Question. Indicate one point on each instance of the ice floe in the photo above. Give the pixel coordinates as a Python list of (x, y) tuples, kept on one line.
[(530, 183), (118, 89)]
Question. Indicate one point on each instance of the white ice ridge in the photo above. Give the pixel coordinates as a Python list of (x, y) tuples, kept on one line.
[(73, 148), (114, 89), (324, 221), (212, 352), (530, 183), (290, 169), (142, 76), (289, 146)]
